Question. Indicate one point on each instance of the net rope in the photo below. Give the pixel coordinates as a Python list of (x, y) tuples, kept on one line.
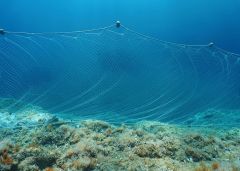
[(117, 75)]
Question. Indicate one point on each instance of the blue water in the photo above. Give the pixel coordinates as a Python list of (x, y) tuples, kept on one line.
[(194, 22), (117, 74)]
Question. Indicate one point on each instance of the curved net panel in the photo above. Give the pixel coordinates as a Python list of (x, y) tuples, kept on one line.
[(117, 75)]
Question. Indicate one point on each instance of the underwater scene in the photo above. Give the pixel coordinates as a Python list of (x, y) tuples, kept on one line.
[(114, 86)]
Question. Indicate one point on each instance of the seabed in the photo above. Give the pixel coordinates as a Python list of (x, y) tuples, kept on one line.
[(34, 140)]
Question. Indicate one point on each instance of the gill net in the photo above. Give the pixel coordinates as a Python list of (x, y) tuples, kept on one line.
[(116, 75)]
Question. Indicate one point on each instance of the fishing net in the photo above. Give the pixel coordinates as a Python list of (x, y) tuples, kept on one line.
[(117, 75)]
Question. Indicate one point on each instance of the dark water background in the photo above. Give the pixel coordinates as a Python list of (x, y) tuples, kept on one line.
[(186, 21)]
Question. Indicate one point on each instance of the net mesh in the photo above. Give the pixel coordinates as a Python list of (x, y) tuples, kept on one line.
[(116, 75)]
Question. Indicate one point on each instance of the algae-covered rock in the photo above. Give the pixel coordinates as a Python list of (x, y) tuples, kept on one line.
[(200, 148), (97, 126), (98, 145), (52, 135), (148, 150)]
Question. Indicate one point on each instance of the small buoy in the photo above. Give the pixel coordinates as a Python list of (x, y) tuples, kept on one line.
[(2, 32), (210, 44), (118, 24)]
